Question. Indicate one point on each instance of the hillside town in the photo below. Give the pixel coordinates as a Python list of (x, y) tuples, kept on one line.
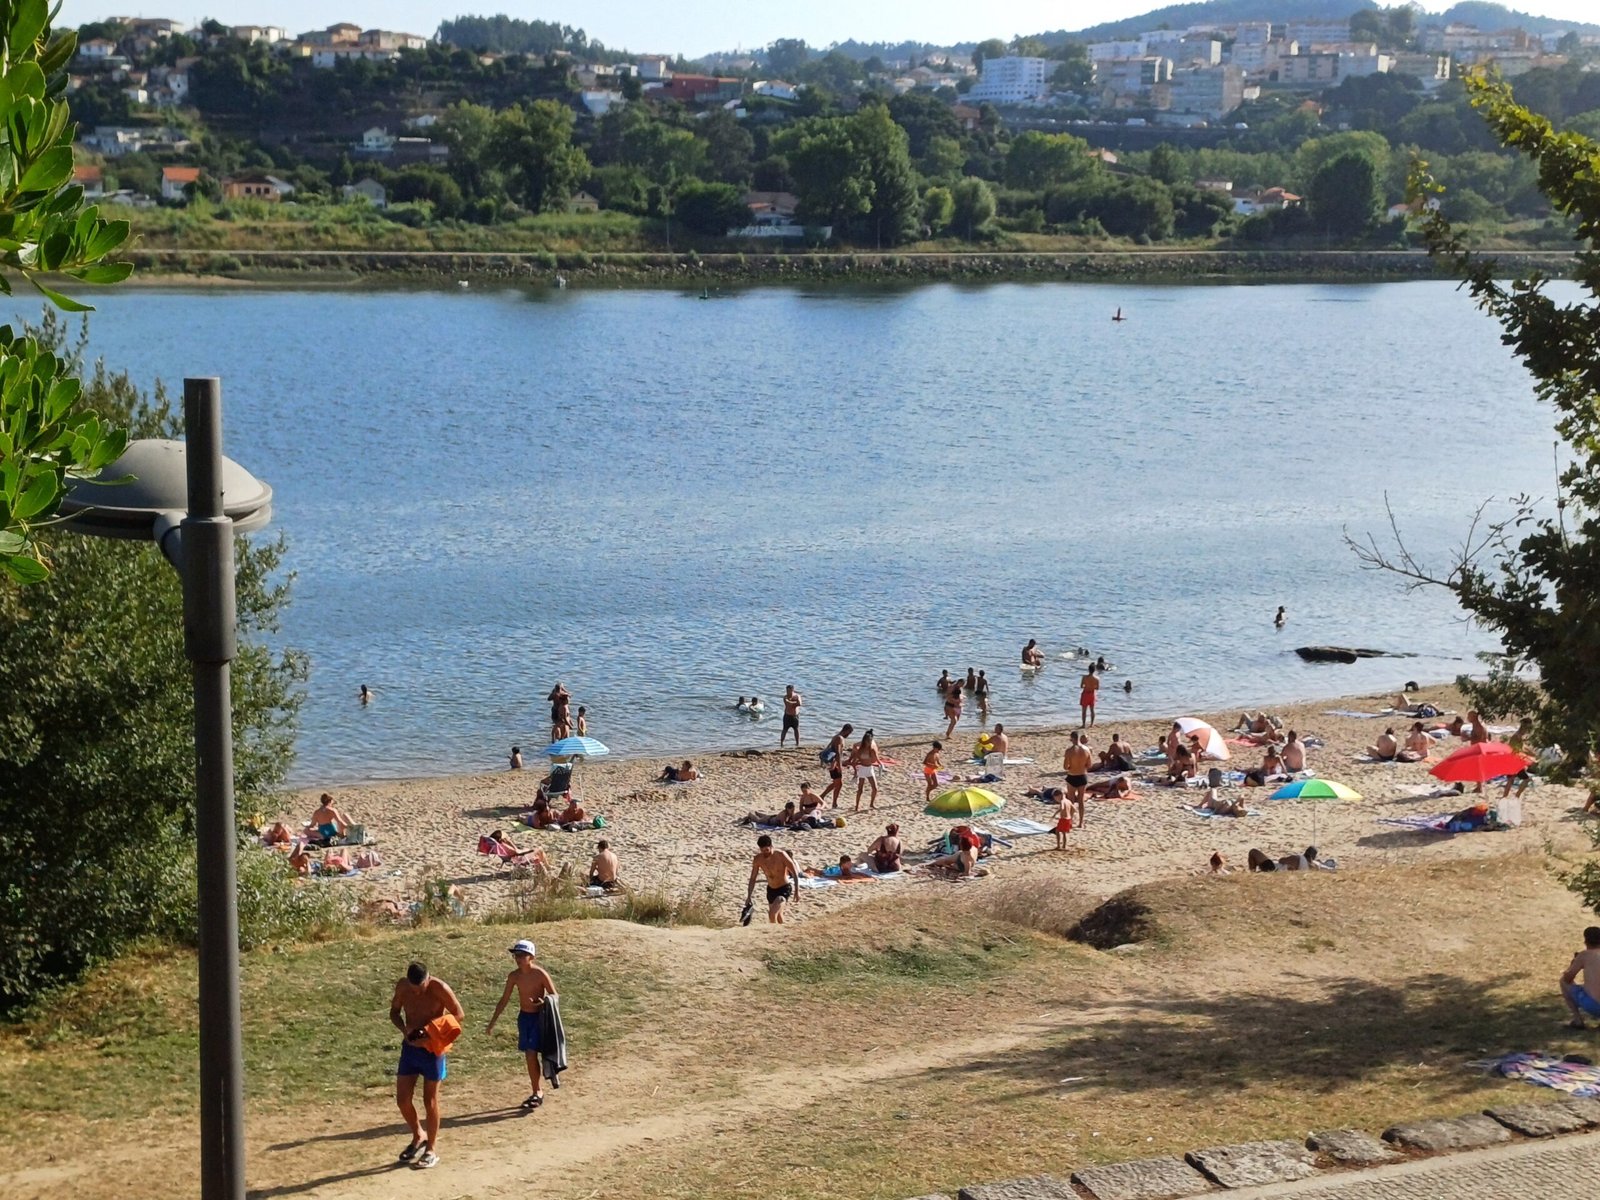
[(253, 113)]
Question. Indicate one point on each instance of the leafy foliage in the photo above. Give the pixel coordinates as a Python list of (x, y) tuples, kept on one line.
[(1345, 196), (96, 734), (45, 227)]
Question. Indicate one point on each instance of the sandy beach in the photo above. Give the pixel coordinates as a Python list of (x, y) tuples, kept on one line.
[(684, 837)]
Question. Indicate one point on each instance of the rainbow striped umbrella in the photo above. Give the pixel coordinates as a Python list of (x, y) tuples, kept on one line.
[(1314, 789)]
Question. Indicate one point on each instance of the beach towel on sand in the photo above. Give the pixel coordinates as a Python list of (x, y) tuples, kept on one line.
[(1206, 812), (1350, 712), (1022, 826), (1546, 1070)]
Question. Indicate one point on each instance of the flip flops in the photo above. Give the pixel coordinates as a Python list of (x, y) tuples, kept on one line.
[(533, 1102), (410, 1151)]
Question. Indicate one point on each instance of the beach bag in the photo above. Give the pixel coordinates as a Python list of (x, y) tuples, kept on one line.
[(439, 1034)]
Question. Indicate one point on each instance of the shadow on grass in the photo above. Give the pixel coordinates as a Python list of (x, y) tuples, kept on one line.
[(1401, 839), (1209, 1046)]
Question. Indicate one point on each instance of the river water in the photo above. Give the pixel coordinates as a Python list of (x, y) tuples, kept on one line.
[(665, 502)]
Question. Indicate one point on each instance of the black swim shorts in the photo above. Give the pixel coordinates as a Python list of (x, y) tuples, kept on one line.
[(776, 894), (791, 721), (1078, 780), (835, 773)]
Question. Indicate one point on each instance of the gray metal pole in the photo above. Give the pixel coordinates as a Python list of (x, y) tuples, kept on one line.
[(209, 619)]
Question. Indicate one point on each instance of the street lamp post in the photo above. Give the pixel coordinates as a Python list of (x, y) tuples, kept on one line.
[(189, 499)]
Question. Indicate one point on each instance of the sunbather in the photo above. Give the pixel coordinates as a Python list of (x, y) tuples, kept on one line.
[(1110, 789), (327, 822), (849, 870), (276, 834), (885, 852), (1213, 801), (684, 774), (1294, 753), (603, 868), (1386, 748), (300, 858), (789, 816), (1116, 757), (1418, 745), (572, 815), (962, 864), (1182, 767), (1271, 767), (1261, 722)]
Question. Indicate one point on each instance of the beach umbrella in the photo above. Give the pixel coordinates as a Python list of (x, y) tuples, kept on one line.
[(1314, 789), (576, 747), (1212, 743), (964, 802), (1480, 763)]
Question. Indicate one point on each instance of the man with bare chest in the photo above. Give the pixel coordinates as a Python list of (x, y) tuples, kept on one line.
[(533, 986), (783, 878), (420, 999)]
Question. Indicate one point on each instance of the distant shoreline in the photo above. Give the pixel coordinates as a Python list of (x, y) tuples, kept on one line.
[(204, 268)]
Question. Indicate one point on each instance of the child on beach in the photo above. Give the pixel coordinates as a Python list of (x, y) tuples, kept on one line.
[(1063, 821), (930, 769)]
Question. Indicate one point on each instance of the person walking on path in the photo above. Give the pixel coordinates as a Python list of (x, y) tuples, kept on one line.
[(533, 986), (782, 875), (419, 1000), (833, 758), (792, 700), (866, 760), (1088, 686)]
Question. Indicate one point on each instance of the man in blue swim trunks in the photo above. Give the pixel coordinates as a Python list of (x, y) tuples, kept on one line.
[(533, 986), (1583, 999), (418, 999)]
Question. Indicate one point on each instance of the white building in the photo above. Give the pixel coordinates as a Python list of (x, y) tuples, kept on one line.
[(655, 68), (1013, 79), (777, 89), (378, 140), (270, 34), (1099, 51), (371, 189), (97, 49), (1184, 50), (1208, 92), (600, 101), (1308, 32)]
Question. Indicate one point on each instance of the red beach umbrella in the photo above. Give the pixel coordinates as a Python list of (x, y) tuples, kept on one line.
[(1480, 763)]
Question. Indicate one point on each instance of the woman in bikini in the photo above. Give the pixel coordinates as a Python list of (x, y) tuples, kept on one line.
[(952, 709)]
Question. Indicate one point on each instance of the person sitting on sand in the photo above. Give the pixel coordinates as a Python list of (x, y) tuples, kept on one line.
[(1388, 746), (1110, 789), (1271, 767), (603, 868), (276, 834), (809, 801), (1182, 767), (885, 853), (684, 774), (963, 864), (784, 819), (300, 859), (1219, 865), (542, 816), (1118, 756), (1418, 745), (1294, 753), (1583, 999), (327, 822), (1262, 722), (999, 742), (1213, 802), (572, 815)]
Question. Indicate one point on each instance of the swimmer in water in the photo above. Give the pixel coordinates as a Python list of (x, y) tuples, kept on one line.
[(1100, 664), (1127, 686), (365, 694), (1280, 618), (756, 705), (743, 705)]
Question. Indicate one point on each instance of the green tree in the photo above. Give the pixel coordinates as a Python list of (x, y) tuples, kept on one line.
[(1076, 72), (895, 209), (97, 741), (729, 148), (1166, 164), (46, 435), (786, 56), (469, 130), (923, 118), (988, 48), (973, 208), (1345, 198), (712, 208), (943, 159), (532, 145), (938, 207), (1533, 577), (1039, 160)]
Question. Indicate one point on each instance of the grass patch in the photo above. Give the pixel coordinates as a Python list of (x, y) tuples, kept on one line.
[(921, 959), (539, 898)]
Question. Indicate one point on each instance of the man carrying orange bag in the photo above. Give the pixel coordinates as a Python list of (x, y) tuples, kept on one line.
[(428, 1016)]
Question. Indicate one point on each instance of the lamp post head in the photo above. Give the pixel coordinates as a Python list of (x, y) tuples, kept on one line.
[(156, 497)]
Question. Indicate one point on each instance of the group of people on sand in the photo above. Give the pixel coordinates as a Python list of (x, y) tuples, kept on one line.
[(429, 1016), (1310, 859), (885, 856)]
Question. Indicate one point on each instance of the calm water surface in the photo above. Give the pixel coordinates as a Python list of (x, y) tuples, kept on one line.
[(665, 502)]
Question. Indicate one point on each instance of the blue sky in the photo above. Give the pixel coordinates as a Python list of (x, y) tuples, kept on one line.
[(697, 26)]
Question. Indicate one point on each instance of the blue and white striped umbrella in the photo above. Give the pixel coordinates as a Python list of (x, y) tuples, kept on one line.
[(573, 747)]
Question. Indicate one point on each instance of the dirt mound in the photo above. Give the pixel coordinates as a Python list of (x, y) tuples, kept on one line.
[(1121, 920)]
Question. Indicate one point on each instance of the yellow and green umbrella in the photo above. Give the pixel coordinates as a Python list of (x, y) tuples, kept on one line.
[(962, 803), (1314, 789)]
